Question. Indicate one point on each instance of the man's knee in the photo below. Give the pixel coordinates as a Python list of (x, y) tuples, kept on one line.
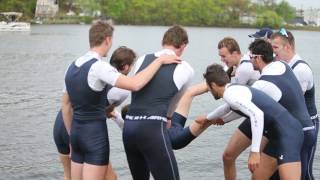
[(228, 156)]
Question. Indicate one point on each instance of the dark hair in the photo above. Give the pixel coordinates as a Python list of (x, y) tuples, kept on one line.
[(122, 56), (216, 74), (230, 71), (263, 48), (286, 38), (124, 111), (99, 31), (175, 36), (229, 43)]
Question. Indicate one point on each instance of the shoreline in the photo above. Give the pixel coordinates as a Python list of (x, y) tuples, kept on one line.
[(87, 20)]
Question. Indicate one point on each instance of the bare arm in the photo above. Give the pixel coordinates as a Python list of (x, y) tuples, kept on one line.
[(138, 81), (67, 111), (185, 101)]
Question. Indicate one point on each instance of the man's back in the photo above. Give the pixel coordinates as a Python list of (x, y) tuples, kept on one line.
[(164, 90)]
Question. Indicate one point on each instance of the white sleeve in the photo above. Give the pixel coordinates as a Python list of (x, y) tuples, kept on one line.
[(118, 119), (304, 76), (116, 96), (105, 72), (183, 74), (244, 73), (64, 90), (219, 112), (138, 64), (231, 116), (269, 88), (245, 105), (182, 78)]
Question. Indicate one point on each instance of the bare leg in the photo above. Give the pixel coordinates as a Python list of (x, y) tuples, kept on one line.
[(238, 143), (66, 162), (184, 104), (290, 171), (76, 171), (94, 172), (111, 174), (267, 167)]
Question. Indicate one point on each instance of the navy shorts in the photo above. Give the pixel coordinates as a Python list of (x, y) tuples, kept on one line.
[(60, 135), (307, 150), (179, 136), (148, 148), (89, 141), (245, 128), (285, 139)]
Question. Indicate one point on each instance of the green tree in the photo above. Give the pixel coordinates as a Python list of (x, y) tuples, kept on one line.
[(286, 11), (236, 8), (89, 6), (26, 7), (269, 18), (115, 9)]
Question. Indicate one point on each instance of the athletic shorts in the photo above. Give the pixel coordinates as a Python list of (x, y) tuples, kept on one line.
[(60, 135), (89, 141), (179, 136)]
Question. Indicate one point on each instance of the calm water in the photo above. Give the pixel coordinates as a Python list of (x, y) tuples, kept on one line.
[(32, 67)]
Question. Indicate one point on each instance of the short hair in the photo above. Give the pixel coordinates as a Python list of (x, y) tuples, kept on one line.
[(229, 43), (175, 36), (99, 31), (286, 38), (262, 47), (216, 74), (122, 56), (124, 111)]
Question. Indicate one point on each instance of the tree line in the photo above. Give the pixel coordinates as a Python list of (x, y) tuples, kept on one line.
[(168, 12)]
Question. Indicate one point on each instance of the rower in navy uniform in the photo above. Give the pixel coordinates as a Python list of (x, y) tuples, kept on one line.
[(286, 135), (146, 141), (83, 103), (283, 44), (122, 59)]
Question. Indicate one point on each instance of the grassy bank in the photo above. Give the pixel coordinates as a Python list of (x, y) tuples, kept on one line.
[(62, 19)]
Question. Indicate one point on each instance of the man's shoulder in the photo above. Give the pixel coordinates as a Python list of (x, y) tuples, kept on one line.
[(185, 66)]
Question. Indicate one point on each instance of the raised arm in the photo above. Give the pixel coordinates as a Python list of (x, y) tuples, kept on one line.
[(139, 80)]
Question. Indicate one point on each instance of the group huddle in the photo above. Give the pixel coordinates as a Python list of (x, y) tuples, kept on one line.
[(271, 86)]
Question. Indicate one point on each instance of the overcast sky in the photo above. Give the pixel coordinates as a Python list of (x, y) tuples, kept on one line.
[(305, 4)]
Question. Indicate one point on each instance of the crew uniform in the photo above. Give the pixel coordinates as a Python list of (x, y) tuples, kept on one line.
[(60, 135), (86, 81), (304, 75), (245, 73), (145, 137), (115, 96), (179, 135), (278, 81), (265, 113)]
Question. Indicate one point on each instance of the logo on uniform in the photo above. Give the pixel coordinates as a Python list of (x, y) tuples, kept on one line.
[(281, 157)]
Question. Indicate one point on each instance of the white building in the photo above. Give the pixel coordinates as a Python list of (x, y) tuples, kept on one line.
[(46, 8), (312, 16)]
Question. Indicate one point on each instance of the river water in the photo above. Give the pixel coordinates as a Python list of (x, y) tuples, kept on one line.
[(32, 67)]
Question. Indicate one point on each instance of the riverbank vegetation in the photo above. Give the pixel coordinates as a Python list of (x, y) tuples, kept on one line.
[(218, 13)]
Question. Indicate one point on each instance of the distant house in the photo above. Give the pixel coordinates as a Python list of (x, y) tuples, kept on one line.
[(46, 8), (299, 19), (312, 16)]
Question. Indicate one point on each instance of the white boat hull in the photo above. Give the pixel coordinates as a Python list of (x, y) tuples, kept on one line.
[(15, 26)]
